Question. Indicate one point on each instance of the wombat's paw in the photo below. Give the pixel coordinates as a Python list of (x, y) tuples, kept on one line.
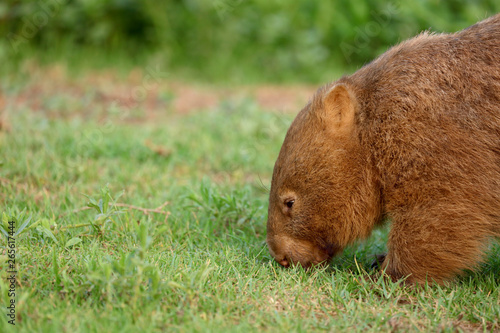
[(379, 259)]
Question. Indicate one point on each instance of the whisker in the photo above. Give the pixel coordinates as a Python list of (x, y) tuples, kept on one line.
[(266, 189)]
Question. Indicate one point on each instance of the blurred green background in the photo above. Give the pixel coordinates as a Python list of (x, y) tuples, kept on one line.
[(223, 40)]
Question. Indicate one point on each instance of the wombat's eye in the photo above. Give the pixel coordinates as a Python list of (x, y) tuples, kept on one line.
[(289, 203)]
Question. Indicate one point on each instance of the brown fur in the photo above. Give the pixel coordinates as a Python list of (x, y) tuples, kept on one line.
[(413, 136)]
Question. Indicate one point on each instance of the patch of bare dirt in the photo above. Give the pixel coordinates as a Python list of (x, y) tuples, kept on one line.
[(52, 89)]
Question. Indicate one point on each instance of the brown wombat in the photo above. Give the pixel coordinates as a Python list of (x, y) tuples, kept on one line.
[(413, 136)]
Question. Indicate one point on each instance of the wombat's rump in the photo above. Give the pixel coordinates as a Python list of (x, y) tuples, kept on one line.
[(413, 136)]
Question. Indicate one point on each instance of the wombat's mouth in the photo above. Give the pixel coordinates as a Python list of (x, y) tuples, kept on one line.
[(307, 263), (289, 252), (323, 256)]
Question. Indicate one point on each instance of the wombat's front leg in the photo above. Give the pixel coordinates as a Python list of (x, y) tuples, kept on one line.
[(434, 243)]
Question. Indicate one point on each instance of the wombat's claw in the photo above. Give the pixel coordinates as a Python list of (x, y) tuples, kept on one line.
[(377, 263)]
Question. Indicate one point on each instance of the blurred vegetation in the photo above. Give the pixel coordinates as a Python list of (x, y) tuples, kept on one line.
[(225, 40)]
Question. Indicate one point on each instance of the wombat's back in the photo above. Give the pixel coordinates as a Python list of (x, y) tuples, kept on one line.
[(430, 117), (437, 75)]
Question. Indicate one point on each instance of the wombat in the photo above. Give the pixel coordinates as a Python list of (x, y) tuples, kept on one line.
[(413, 137)]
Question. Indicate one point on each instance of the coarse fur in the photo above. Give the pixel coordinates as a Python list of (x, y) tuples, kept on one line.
[(414, 136)]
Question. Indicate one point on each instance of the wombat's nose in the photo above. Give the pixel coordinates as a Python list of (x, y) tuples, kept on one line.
[(283, 262)]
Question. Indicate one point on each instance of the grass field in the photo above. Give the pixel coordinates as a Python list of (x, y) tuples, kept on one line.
[(136, 217)]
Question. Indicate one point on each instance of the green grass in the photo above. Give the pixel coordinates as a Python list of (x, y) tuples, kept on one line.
[(90, 260)]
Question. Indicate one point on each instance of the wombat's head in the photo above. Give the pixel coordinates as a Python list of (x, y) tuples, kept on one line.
[(323, 193)]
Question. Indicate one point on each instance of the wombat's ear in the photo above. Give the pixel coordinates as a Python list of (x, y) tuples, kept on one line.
[(338, 107)]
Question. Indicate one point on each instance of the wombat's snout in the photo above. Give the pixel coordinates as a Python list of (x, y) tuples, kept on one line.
[(279, 257), (277, 251), (287, 251), (283, 262)]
